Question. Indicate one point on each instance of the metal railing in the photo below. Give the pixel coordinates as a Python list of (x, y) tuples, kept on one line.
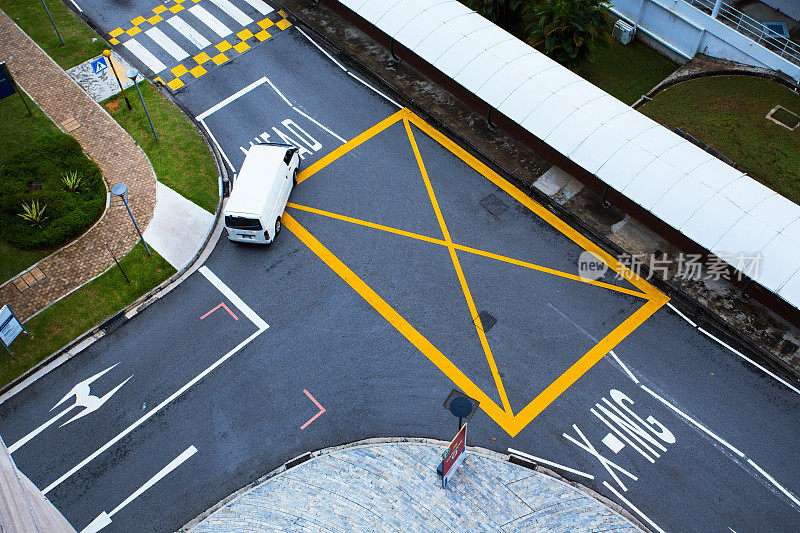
[(752, 29)]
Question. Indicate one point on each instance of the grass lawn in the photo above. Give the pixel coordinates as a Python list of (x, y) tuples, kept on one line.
[(80, 42), (628, 71), (728, 113), (19, 130), (181, 159), (96, 301)]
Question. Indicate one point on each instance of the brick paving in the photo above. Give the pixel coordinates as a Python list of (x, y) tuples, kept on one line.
[(394, 487), (103, 140)]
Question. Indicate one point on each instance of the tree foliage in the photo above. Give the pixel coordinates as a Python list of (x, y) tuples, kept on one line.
[(508, 14), (569, 31)]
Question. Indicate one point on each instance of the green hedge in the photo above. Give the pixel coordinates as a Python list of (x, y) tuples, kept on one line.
[(68, 213)]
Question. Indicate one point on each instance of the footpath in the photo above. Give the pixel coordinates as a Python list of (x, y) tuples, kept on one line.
[(120, 160), (393, 486)]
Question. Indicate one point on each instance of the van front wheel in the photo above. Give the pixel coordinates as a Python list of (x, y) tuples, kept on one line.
[(277, 228), (294, 178)]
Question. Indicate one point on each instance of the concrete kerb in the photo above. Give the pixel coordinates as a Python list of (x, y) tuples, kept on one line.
[(698, 311), (476, 450)]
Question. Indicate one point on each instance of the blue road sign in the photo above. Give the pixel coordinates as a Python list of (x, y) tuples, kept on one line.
[(99, 65), (10, 326), (6, 87)]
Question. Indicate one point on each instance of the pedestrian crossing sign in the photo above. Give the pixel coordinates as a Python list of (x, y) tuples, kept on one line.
[(99, 65)]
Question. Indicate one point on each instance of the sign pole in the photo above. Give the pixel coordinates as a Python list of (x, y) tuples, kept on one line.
[(107, 55), (16, 87), (53, 22)]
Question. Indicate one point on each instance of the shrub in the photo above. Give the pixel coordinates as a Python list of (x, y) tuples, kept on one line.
[(68, 213), (33, 213), (71, 180)]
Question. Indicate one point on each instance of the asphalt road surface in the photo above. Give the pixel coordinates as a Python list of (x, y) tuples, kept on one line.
[(406, 269)]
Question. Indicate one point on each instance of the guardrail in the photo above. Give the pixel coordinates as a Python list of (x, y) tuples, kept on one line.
[(752, 29)]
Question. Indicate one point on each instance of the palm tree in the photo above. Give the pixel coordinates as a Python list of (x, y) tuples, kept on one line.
[(569, 30), (508, 14)]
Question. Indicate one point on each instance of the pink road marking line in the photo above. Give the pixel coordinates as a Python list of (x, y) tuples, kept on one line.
[(217, 307), (321, 409)]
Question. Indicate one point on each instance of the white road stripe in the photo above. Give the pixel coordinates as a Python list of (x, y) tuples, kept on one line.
[(210, 20), (321, 49), (152, 412), (772, 480), (170, 46), (549, 463), (238, 94), (187, 31), (320, 125), (740, 354), (76, 6), (233, 297), (686, 318), (633, 507), (234, 12), (214, 139), (625, 368), (144, 55), (261, 7), (279, 92), (694, 422), (374, 89)]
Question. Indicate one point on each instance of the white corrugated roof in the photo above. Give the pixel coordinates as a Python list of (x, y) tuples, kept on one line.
[(710, 202)]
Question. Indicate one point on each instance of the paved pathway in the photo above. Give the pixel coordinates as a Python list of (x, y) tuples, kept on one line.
[(394, 487), (114, 151)]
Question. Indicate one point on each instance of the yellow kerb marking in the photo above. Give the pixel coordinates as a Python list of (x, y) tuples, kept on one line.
[(117, 32), (137, 21), (241, 47), (219, 59), (133, 31), (266, 23), (175, 84), (179, 71), (224, 46), (159, 9), (283, 24), (198, 71), (155, 19), (263, 35), (201, 58), (176, 8), (244, 34), (114, 41), (655, 299)]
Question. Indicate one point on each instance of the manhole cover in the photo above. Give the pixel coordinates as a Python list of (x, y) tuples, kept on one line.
[(783, 117), (494, 205), (487, 320)]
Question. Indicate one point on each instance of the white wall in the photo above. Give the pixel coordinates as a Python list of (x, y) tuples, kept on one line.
[(688, 31), (787, 7)]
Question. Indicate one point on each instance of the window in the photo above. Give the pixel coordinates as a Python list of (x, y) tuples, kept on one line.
[(242, 223), (288, 157)]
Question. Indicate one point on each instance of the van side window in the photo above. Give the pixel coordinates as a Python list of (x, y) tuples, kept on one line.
[(288, 157)]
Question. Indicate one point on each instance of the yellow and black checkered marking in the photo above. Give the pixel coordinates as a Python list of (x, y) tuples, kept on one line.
[(213, 56)]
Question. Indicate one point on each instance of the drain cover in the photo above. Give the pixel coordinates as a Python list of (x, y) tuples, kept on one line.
[(487, 320), (782, 116), (494, 205)]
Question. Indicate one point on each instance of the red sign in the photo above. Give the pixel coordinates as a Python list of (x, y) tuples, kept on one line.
[(454, 455)]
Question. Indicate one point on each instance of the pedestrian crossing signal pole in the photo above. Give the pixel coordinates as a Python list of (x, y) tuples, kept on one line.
[(107, 55), (131, 73)]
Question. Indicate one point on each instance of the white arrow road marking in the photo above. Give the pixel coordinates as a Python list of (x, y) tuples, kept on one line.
[(83, 398), (104, 519)]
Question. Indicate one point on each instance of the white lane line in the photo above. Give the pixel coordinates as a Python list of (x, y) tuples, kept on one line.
[(261, 7), (633, 507), (221, 151), (238, 94), (144, 55), (152, 412), (170, 46), (740, 354), (321, 49), (318, 124), (695, 422), (104, 519), (194, 36), (76, 6), (772, 480), (686, 318), (234, 298), (374, 89), (234, 12), (625, 368), (279, 93), (210, 20), (549, 463)]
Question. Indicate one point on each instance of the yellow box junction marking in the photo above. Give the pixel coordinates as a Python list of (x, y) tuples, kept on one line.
[(119, 35), (504, 417)]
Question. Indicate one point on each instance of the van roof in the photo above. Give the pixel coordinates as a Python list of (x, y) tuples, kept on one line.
[(256, 179)]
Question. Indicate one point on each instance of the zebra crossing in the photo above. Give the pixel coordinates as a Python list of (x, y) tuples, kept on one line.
[(181, 40)]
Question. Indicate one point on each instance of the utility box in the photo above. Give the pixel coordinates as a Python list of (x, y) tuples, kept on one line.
[(623, 32)]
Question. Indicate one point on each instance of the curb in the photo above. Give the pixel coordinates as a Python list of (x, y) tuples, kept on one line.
[(475, 450), (697, 310)]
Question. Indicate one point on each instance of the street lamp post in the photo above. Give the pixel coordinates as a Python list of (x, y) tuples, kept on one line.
[(53, 22), (107, 55), (121, 190), (132, 73)]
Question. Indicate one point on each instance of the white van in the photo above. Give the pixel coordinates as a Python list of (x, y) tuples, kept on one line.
[(260, 192)]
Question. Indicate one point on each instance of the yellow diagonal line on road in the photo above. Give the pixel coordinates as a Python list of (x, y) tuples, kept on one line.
[(394, 318), (457, 265), (468, 249)]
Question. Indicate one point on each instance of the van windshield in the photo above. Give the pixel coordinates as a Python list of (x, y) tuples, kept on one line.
[(242, 223)]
